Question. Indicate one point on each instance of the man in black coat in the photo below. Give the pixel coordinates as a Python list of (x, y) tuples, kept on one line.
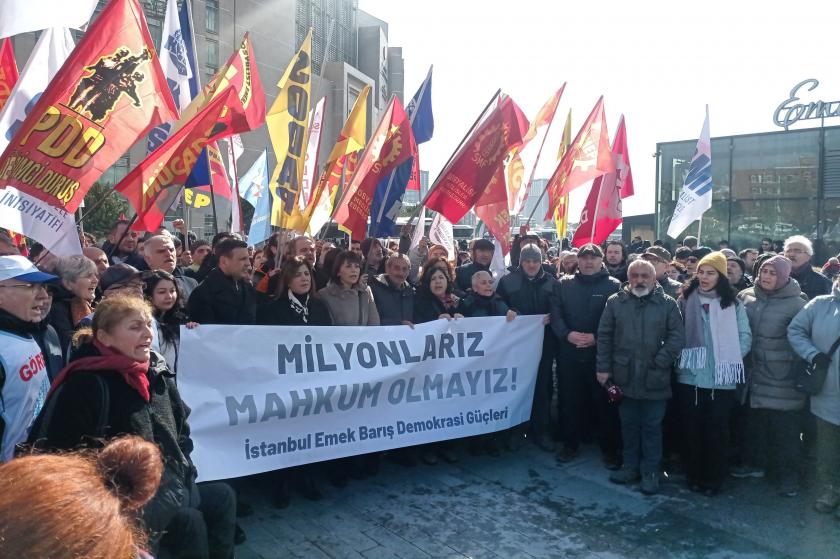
[(800, 251), (225, 296), (575, 314), (528, 290), (126, 252), (393, 295), (482, 257)]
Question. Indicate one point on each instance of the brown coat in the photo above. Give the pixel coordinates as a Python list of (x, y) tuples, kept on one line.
[(350, 307)]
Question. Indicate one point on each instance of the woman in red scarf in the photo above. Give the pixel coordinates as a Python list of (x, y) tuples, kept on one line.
[(115, 385)]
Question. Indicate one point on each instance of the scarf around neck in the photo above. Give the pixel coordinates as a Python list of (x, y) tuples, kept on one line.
[(300, 309), (726, 348), (131, 371)]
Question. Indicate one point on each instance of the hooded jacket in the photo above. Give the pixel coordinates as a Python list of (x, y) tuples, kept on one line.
[(639, 339), (394, 305), (772, 360), (813, 330)]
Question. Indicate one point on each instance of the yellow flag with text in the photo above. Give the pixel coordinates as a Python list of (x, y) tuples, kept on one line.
[(561, 214), (288, 127)]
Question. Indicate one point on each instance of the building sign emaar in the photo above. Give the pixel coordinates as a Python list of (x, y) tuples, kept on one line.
[(792, 109)]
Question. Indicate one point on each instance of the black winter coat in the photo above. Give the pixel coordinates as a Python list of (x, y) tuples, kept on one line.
[(278, 312), (50, 344), (394, 305), (528, 296), (464, 274), (61, 317), (427, 307), (474, 305), (813, 284), (577, 307), (90, 406), (221, 300)]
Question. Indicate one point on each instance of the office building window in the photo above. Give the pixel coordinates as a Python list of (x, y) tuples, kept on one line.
[(211, 16), (212, 56)]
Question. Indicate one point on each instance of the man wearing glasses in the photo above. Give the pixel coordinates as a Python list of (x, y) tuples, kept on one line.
[(24, 302), (799, 250)]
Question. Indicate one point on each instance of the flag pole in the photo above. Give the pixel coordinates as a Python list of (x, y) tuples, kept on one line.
[(537, 161), (699, 229), (394, 172)]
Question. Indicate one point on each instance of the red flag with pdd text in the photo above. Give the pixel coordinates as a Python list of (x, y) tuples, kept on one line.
[(110, 92), (8, 71), (465, 180)]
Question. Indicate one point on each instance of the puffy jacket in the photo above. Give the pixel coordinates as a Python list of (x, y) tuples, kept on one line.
[(670, 287), (526, 295), (705, 377), (577, 306), (479, 305), (813, 330), (350, 307), (394, 305), (770, 365), (639, 339)]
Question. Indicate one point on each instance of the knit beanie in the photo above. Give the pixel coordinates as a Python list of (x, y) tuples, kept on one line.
[(782, 266), (739, 262), (716, 260), (530, 252)]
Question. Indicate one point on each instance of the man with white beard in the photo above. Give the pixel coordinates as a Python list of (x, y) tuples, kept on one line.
[(639, 337)]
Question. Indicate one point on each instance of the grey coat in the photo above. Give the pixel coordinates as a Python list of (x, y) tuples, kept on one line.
[(639, 338), (350, 307), (771, 362)]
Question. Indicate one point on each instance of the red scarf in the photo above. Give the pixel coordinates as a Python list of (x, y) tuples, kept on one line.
[(132, 372)]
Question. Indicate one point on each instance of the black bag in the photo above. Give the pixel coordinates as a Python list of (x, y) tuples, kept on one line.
[(810, 377)]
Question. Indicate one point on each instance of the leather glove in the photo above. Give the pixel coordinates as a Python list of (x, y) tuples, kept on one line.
[(821, 360)]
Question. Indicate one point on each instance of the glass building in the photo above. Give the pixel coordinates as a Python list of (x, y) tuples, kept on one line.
[(770, 185)]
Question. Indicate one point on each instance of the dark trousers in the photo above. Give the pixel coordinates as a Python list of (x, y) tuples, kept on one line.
[(705, 418), (773, 442), (641, 433), (544, 388), (203, 532), (579, 394), (828, 452), (739, 428)]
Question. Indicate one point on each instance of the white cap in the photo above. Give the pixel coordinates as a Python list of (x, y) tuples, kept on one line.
[(19, 267)]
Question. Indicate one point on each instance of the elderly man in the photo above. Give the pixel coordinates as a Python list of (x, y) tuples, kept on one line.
[(159, 254), (799, 251), (660, 259), (24, 382), (575, 312), (528, 290), (392, 293), (482, 257), (303, 246), (98, 256), (639, 337)]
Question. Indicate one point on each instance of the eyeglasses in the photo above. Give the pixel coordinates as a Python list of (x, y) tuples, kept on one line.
[(28, 286)]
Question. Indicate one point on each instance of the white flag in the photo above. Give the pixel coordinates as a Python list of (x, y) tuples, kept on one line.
[(235, 149), (310, 163), (441, 233), (50, 53), (419, 229), (696, 195), (52, 227), (22, 16)]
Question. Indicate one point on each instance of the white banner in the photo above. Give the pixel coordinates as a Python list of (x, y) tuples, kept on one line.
[(270, 397), (52, 227), (310, 163), (441, 233), (22, 16)]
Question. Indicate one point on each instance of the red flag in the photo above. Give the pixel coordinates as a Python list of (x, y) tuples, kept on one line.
[(464, 181), (246, 109), (390, 145), (492, 209), (587, 158), (148, 186), (8, 70), (603, 206), (110, 92)]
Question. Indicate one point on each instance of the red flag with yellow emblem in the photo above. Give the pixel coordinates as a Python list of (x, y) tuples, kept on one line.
[(110, 92), (8, 71)]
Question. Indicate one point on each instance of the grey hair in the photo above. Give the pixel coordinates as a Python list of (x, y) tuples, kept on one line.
[(476, 275), (71, 268), (642, 262), (802, 240), (403, 257)]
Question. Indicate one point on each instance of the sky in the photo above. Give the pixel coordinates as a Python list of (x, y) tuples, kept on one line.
[(659, 63)]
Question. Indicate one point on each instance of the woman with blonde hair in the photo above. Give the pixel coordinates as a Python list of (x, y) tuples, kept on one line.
[(85, 504)]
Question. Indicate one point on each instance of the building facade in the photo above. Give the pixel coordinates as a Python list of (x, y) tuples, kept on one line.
[(768, 185)]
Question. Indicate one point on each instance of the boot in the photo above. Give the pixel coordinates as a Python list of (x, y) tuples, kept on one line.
[(650, 483), (625, 476)]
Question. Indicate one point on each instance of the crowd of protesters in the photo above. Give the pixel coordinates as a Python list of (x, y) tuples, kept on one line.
[(683, 362)]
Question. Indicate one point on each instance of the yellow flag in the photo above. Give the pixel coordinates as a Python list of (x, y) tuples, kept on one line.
[(288, 127), (350, 140), (561, 213)]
